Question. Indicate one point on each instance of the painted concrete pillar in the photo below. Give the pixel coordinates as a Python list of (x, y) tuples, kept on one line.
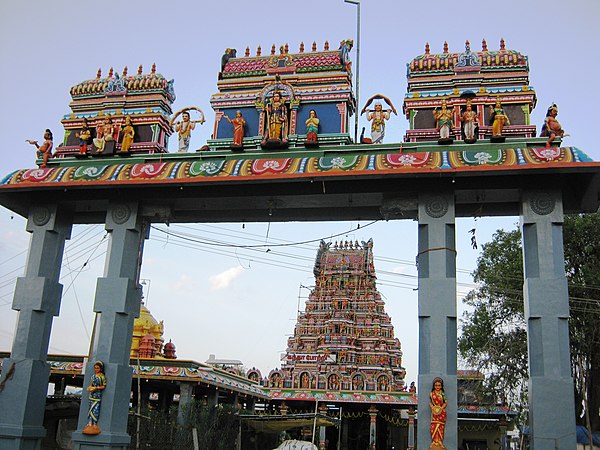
[(37, 299), (322, 438), (437, 311), (411, 428), (117, 303), (551, 401), (185, 400), (372, 428)]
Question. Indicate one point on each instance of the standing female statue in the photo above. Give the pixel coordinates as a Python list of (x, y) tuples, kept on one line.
[(96, 388), (438, 404)]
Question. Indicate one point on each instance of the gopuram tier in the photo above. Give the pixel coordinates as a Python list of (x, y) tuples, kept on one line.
[(344, 340), (283, 99), (122, 114), (479, 79)]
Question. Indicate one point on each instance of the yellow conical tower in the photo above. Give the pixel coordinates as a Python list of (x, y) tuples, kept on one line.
[(143, 325)]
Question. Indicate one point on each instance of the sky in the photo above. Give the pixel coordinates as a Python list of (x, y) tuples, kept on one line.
[(242, 304)]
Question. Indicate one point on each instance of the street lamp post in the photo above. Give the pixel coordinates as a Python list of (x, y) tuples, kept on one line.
[(357, 3)]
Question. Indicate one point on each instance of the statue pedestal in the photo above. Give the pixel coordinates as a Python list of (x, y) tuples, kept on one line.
[(274, 144)]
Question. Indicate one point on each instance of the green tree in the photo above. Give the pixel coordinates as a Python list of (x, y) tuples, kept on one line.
[(494, 330)]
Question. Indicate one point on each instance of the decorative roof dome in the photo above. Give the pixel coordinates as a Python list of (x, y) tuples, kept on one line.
[(114, 84), (143, 325), (486, 59)]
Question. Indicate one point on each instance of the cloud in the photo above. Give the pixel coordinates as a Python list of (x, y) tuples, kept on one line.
[(224, 279)]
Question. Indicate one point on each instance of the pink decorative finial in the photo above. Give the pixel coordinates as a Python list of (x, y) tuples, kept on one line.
[(484, 45), (125, 71), (445, 47), (502, 46), (301, 47), (140, 70), (99, 73), (247, 52), (273, 49), (326, 45), (427, 48), (314, 46), (286, 49), (153, 68), (258, 51)]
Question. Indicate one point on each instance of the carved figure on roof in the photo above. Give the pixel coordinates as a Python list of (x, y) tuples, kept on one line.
[(44, 150), (498, 119), (104, 134), (276, 120), (438, 404), (377, 117), (184, 131), (238, 129), (312, 129), (85, 137), (128, 133), (95, 389), (551, 127), (468, 59), (229, 53), (185, 126), (469, 120), (345, 47), (443, 123)]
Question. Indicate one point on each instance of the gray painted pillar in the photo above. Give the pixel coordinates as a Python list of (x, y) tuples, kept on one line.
[(437, 311), (116, 305), (185, 399), (551, 400), (411, 428), (37, 298)]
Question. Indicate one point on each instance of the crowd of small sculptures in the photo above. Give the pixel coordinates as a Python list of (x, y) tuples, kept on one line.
[(104, 135), (277, 128)]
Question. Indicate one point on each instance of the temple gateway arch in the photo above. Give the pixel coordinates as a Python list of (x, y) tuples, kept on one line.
[(435, 197), (264, 173)]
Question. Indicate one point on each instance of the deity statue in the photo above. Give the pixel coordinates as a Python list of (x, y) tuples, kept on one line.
[(128, 134), (443, 122), (312, 129), (305, 381), (96, 388), (184, 130), (377, 117), (498, 119), (438, 404), (44, 150), (345, 47), (238, 129), (185, 126), (104, 134), (277, 120), (85, 138), (469, 120), (551, 127)]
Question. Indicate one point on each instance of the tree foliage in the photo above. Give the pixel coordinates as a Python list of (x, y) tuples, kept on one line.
[(494, 335)]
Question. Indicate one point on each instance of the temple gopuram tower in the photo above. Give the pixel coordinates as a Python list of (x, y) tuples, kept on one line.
[(344, 340), (479, 78)]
